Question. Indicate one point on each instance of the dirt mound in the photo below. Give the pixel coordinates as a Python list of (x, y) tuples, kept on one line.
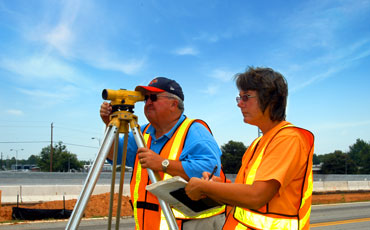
[(98, 206), (340, 198)]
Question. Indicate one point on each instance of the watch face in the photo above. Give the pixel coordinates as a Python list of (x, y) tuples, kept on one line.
[(165, 163)]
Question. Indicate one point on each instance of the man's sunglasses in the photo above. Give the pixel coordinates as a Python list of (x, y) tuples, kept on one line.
[(154, 97), (244, 98)]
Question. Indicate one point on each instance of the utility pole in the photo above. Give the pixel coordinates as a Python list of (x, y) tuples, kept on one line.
[(96, 138), (16, 157), (51, 149)]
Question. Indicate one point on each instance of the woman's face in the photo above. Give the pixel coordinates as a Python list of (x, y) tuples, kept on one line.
[(250, 108)]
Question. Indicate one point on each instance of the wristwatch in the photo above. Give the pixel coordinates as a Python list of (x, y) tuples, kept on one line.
[(165, 164)]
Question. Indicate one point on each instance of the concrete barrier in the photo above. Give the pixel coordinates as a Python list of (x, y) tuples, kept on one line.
[(343, 186), (336, 186), (41, 193), (318, 186)]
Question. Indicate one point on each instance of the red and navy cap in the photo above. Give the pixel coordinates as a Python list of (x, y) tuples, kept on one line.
[(162, 84)]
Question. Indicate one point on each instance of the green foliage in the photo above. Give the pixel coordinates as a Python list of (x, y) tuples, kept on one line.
[(63, 160), (232, 154), (32, 160), (360, 154), (356, 160), (338, 163), (315, 159)]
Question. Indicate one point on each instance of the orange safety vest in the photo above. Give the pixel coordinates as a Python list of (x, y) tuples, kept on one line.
[(243, 218), (147, 211)]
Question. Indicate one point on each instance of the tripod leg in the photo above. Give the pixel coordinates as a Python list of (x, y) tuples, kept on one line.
[(122, 177), (113, 180), (170, 218), (91, 179)]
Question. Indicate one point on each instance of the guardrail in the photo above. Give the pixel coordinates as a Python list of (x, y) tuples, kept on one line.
[(42, 193)]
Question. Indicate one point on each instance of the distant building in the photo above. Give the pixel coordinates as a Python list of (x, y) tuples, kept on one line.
[(316, 169), (22, 167)]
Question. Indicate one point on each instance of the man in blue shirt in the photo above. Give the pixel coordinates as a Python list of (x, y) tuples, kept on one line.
[(164, 109)]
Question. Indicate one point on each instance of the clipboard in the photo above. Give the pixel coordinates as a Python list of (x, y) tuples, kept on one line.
[(172, 191)]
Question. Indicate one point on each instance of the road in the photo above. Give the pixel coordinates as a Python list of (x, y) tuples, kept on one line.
[(354, 216), (341, 216)]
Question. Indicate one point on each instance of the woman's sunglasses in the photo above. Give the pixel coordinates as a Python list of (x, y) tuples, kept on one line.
[(243, 98)]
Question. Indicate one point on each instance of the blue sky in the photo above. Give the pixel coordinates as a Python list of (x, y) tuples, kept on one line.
[(56, 57)]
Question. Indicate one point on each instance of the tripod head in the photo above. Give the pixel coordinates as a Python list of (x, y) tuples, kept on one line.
[(122, 99)]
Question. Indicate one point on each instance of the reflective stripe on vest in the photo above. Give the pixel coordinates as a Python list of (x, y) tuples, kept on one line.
[(252, 174), (176, 151), (174, 154), (247, 217), (136, 189)]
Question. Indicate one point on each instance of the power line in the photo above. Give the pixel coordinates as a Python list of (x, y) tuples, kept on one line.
[(80, 145), (35, 142), (77, 130), (22, 142)]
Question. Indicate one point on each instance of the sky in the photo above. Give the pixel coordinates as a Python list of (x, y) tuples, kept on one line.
[(56, 57)]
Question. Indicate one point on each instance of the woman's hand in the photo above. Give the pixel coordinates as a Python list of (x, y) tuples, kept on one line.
[(194, 188)]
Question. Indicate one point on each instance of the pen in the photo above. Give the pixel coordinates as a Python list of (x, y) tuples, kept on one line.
[(213, 172)]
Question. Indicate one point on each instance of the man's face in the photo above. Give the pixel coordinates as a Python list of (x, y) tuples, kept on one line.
[(158, 108)]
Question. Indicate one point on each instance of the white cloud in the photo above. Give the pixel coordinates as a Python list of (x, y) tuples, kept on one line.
[(40, 67), (15, 112), (211, 90), (207, 37), (47, 97), (334, 62), (127, 66), (222, 75), (60, 38), (186, 51), (73, 32)]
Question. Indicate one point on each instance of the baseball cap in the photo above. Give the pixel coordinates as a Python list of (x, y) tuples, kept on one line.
[(162, 84)]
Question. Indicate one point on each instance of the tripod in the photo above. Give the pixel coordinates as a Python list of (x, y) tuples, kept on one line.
[(120, 122)]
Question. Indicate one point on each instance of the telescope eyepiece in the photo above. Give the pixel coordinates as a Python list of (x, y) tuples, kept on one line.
[(104, 94)]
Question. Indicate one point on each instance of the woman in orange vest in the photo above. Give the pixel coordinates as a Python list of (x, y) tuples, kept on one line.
[(273, 188)]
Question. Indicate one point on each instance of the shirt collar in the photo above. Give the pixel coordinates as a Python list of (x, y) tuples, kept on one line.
[(151, 129)]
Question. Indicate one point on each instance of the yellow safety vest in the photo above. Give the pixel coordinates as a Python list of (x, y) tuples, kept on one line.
[(142, 199)]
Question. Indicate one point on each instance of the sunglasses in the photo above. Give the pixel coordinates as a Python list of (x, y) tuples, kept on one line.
[(244, 98), (154, 97)]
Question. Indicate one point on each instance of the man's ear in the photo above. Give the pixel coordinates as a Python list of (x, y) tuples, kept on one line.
[(175, 103)]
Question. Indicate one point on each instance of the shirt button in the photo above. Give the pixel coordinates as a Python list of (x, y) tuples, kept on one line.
[(155, 142)]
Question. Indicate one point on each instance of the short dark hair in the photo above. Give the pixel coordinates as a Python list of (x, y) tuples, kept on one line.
[(271, 87)]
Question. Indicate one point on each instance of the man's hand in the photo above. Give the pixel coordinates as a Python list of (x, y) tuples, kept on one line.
[(150, 159), (105, 111)]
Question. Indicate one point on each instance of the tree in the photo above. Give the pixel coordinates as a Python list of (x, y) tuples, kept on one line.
[(338, 163), (315, 159), (32, 160), (360, 154), (63, 160), (232, 154)]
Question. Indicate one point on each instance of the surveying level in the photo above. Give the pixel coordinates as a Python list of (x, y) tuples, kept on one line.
[(122, 99), (123, 103)]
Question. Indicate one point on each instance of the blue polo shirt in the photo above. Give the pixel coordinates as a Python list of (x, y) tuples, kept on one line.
[(200, 153)]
